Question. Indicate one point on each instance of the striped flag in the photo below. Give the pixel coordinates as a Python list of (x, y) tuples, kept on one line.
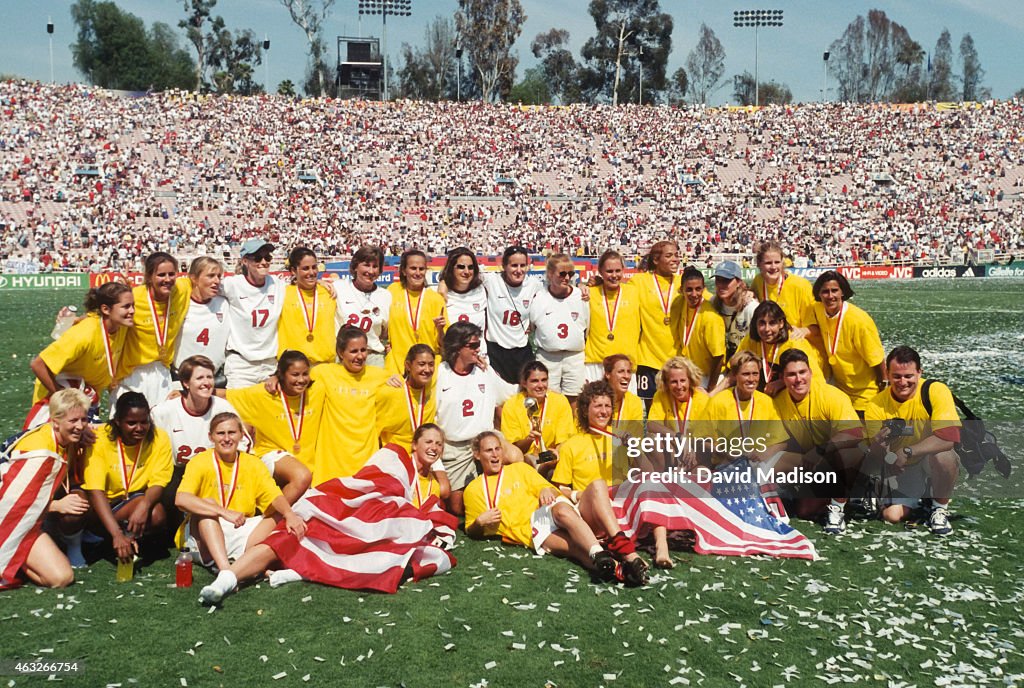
[(728, 518), (28, 481), (363, 532)]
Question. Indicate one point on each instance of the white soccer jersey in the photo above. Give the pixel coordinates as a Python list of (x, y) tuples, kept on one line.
[(190, 434), (253, 316), (205, 331), (466, 403), (470, 307), (368, 312), (508, 307), (560, 324)]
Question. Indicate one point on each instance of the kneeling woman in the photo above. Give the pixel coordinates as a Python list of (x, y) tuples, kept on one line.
[(126, 471), (221, 490)]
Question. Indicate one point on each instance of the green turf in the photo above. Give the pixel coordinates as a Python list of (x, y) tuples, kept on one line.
[(884, 605)]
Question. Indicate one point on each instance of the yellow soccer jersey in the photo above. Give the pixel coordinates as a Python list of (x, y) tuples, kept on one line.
[(856, 353), (265, 413), (627, 416), (423, 489), (883, 407), (148, 464), (39, 438), (664, 410), (404, 308), (761, 422), (142, 345), (793, 298), (623, 309), (518, 496), (293, 327), (657, 297), (817, 418), (397, 407), (81, 352), (556, 421), (699, 337), (586, 457), (348, 431), (772, 354)]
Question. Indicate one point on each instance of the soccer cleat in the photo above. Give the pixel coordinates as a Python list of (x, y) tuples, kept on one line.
[(606, 567), (835, 521), (634, 572), (938, 521)]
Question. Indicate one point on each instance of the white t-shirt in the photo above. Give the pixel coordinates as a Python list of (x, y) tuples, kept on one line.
[(190, 434), (466, 403), (367, 311), (205, 331), (470, 307), (560, 324), (253, 315), (508, 320), (737, 324)]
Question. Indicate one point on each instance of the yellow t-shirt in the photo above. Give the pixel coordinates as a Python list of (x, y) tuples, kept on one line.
[(761, 422), (586, 457), (773, 354), (627, 324), (664, 411), (141, 344), (794, 297), (427, 487), (518, 497), (265, 413), (153, 466), (81, 352), (857, 352), (292, 331), (628, 415), (883, 407), (396, 407), (817, 418), (707, 335), (400, 329), (557, 424), (657, 297), (348, 431)]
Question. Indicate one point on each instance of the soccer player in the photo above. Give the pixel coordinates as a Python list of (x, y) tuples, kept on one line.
[(431, 480), (206, 326), (560, 320), (516, 504), (536, 419), (824, 430), (770, 337), (126, 471), (699, 331), (88, 354), (772, 283), (658, 295), (922, 459), (734, 302), (307, 317), (679, 404), (403, 409), (627, 408), (255, 298), (25, 549), (852, 346), (417, 312), (614, 316), (509, 295), (363, 304), (463, 291)]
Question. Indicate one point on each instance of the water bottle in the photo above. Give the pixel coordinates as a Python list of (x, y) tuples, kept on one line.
[(183, 569), (66, 317)]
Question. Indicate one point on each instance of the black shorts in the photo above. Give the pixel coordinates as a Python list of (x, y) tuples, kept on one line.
[(508, 363), (646, 381)]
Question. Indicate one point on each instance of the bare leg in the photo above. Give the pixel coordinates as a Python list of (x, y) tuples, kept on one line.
[(293, 477), (559, 544), (596, 509), (662, 559), (46, 565), (944, 468), (210, 536), (455, 503), (254, 563), (894, 513), (260, 533), (574, 528)]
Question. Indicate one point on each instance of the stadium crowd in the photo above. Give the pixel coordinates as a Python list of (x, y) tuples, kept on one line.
[(89, 180)]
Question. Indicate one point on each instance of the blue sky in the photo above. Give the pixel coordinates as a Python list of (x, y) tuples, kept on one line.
[(791, 54)]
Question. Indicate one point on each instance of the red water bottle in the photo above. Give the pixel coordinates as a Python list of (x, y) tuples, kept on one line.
[(183, 569)]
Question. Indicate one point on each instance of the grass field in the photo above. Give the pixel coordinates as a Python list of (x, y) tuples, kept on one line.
[(883, 606)]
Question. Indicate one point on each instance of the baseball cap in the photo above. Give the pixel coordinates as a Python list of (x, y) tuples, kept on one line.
[(729, 269), (251, 247)]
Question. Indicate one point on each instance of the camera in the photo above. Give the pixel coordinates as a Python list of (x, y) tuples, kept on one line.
[(546, 456), (897, 428)]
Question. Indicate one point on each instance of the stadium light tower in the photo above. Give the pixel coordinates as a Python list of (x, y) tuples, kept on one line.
[(756, 19), (49, 30), (396, 8), (266, 62)]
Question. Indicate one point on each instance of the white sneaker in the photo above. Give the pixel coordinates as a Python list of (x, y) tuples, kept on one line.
[(835, 521), (938, 521)]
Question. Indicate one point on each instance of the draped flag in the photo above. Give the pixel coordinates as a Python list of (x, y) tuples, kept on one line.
[(363, 532), (727, 517), (28, 481)]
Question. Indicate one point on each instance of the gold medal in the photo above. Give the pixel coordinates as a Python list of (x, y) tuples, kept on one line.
[(309, 337), (832, 360), (610, 336), (296, 447), (667, 320), (163, 351)]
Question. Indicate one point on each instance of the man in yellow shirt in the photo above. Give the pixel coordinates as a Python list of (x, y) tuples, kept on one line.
[(918, 448)]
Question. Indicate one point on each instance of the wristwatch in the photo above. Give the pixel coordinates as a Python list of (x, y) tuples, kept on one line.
[(908, 452)]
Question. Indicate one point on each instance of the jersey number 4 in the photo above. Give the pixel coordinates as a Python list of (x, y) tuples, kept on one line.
[(204, 337)]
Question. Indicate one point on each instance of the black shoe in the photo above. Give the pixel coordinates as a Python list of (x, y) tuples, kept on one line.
[(605, 566), (635, 572)]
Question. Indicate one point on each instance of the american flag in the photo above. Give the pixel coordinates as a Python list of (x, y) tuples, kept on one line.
[(726, 518), (363, 532), (28, 481)]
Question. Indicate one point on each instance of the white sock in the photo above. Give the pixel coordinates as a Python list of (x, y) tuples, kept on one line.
[(283, 577), (225, 582), (836, 502), (595, 550)]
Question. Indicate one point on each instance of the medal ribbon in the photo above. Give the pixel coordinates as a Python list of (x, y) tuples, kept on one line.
[(310, 319), (764, 289), (414, 319), (681, 423), (126, 477), (224, 501), (420, 497), (492, 503), (691, 324), (767, 362), (839, 328), (294, 427), (739, 412), (663, 297), (108, 350), (610, 315), (415, 419), (161, 329)]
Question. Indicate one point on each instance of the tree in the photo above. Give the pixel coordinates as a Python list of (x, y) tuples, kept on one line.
[(560, 68), (309, 15), (768, 92), (865, 58), (532, 90), (198, 13), (233, 58), (678, 86), (632, 36), (940, 86), (429, 73), (173, 65), (286, 88), (705, 65), (972, 71), (487, 31)]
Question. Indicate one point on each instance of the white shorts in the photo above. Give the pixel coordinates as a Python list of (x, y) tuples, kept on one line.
[(565, 370), (271, 458), (152, 380), (242, 373), (910, 486), (594, 372), (234, 539), (543, 523)]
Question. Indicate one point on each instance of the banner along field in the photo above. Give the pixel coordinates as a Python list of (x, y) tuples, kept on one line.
[(883, 605)]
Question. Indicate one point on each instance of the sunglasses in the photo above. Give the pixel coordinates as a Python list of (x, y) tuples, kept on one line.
[(261, 258), (475, 346), (566, 273), (466, 266)]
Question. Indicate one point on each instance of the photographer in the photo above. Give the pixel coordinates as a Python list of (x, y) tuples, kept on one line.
[(917, 447)]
